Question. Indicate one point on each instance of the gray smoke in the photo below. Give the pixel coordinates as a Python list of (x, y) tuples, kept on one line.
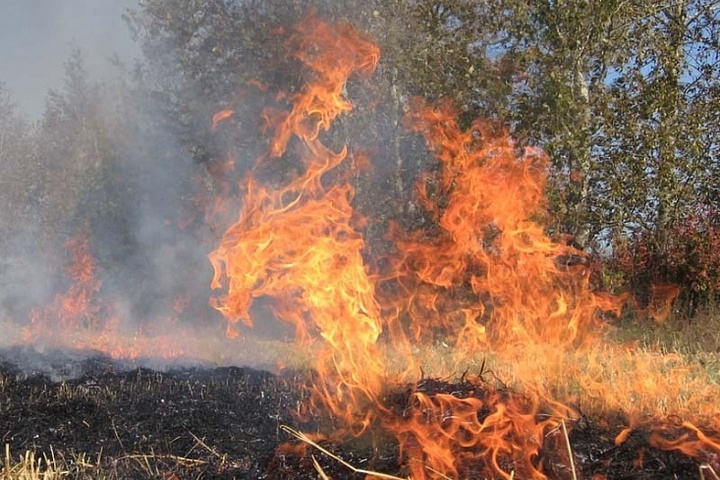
[(37, 36)]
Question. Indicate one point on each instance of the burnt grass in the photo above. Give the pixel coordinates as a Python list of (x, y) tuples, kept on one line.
[(206, 422)]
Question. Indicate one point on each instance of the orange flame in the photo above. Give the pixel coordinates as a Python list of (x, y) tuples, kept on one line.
[(491, 244), (299, 245), (662, 299), (488, 279), (220, 116), (82, 318), (77, 308)]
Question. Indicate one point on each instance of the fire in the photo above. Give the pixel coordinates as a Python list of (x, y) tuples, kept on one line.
[(518, 291), (82, 318), (299, 244), (662, 299), (220, 116), (491, 282), (76, 308), (487, 431), (485, 286)]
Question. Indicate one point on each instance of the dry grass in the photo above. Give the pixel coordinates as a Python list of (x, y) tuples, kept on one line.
[(697, 339), (29, 467), (693, 347), (78, 466), (304, 438), (65, 466)]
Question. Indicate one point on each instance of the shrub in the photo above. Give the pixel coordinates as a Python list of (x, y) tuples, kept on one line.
[(686, 254)]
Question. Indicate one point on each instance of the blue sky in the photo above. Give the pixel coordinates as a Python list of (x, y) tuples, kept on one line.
[(37, 36)]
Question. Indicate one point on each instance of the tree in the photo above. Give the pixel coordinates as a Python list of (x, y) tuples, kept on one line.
[(622, 94), (19, 181), (667, 96), (79, 182)]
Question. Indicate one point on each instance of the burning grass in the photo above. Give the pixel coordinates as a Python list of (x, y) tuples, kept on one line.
[(228, 423), (472, 349)]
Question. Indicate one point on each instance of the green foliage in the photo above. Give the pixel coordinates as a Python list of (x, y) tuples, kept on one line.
[(75, 155), (624, 96)]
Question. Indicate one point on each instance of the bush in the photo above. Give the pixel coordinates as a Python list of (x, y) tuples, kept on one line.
[(686, 255)]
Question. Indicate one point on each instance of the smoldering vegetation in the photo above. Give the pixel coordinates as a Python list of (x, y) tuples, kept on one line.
[(139, 423), (126, 423), (109, 213), (135, 162), (102, 163), (134, 169), (133, 165)]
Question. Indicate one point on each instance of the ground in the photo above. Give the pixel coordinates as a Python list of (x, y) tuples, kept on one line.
[(111, 419)]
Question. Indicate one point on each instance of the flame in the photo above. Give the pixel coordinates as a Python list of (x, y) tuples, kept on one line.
[(517, 291), (83, 318), (662, 299), (76, 308), (487, 279), (299, 244), (493, 281), (486, 285), (220, 116)]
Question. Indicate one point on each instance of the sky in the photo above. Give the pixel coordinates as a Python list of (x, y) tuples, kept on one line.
[(37, 37)]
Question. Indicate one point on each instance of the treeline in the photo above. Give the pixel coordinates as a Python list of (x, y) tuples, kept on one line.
[(623, 95)]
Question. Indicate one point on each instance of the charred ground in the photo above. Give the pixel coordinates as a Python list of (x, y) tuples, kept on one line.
[(138, 423), (205, 422)]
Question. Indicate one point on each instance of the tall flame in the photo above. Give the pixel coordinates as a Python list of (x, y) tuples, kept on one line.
[(488, 279), (518, 289), (299, 244)]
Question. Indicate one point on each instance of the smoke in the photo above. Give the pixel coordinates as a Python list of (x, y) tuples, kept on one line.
[(124, 179), (26, 280), (163, 261), (38, 36), (140, 195)]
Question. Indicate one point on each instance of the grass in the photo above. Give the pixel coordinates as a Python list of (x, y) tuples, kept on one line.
[(696, 339), (138, 424), (305, 439), (78, 466), (31, 467), (694, 344)]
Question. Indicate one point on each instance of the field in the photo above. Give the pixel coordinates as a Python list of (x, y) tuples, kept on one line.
[(83, 416)]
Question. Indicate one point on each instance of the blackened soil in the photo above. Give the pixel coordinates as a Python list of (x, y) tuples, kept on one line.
[(226, 423), (141, 423)]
